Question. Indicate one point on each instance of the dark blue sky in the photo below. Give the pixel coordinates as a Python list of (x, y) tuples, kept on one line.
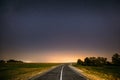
[(58, 24)]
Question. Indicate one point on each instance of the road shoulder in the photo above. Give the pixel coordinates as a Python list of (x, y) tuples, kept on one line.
[(43, 72), (78, 71)]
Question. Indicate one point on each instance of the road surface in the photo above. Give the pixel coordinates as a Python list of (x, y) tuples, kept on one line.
[(63, 72)]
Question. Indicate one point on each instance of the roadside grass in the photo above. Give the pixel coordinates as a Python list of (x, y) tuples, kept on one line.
[(101, 73), (23, 71)]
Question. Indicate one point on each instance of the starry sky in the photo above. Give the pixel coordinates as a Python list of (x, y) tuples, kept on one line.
[(59, 30)]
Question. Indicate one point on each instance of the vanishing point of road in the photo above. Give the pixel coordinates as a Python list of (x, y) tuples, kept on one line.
[(63, 72)]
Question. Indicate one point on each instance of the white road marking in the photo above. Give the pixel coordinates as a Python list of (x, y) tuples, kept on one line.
[(61, 73)]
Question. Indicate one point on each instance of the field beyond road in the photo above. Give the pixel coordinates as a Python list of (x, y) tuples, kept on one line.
[(100, 73), (23, 71)]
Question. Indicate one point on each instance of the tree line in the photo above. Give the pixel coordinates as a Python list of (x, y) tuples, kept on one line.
[(11, 61), (100, 61)]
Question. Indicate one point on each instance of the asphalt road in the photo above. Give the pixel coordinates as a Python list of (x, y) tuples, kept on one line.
[(63, 72)]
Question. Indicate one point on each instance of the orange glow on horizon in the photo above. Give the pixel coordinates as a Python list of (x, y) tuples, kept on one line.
[(54, 56)]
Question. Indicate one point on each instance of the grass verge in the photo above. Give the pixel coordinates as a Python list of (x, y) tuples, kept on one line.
[(101, 73), (22, 71)]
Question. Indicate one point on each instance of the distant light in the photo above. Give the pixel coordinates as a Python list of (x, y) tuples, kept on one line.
[(27, 61)]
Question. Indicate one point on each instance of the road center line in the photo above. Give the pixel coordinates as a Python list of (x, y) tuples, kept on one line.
[(61, 73)]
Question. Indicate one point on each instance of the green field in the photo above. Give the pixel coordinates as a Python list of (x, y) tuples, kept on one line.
[(22, 71), (101, 73)]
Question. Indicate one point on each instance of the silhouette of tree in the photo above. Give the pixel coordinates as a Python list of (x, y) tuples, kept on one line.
[(14, 61), (79, 62), (101, 61), (2, 61), (108, 63), (93, 61), (87, 61), (116, 59)]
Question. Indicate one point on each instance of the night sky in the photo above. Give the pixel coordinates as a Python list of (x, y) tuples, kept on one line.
[(59, 30)]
